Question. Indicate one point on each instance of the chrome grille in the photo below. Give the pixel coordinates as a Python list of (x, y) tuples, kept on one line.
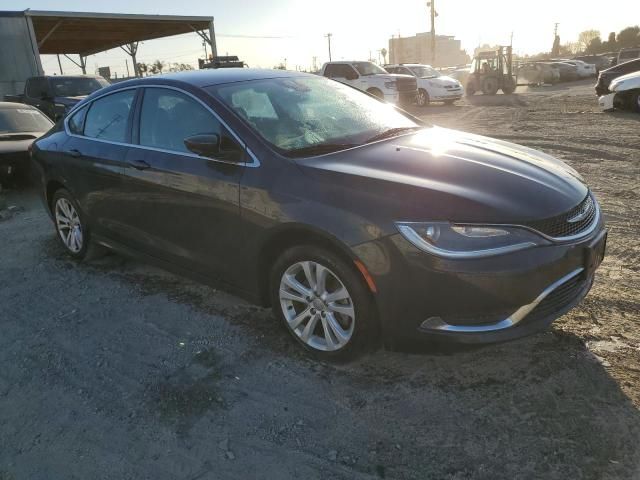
[(562, 296), (573, 222)]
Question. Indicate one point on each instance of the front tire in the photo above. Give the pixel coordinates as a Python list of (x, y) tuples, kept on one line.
[(423, 98), (490, 86), (376, 93), (635, 101), (323, 302)]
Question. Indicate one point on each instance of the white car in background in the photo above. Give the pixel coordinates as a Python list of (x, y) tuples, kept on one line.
[(625, 92), (583, 69), (432, 85)]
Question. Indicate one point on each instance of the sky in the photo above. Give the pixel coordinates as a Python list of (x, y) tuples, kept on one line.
[(295, 29)]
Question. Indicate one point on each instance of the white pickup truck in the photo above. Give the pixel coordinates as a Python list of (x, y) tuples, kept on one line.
[(369, 77)]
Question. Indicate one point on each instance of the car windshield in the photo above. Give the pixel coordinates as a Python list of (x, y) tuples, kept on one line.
[(307, 116), (76, 86), (424, 71), (368, 68), (14, 120)]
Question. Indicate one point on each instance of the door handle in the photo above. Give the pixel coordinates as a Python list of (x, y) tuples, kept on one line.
[(74, 152), (139, 164)]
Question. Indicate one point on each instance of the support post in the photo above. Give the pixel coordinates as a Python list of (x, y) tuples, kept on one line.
[(59, 64), (212, 40), (34, 45)]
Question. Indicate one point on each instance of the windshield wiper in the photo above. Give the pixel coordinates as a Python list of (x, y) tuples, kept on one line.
[(319, 149), (392, 132)]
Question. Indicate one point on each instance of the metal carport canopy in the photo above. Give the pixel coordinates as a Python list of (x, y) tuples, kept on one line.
[(87, 33)]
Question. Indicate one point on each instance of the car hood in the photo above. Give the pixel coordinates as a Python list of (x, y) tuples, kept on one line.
[(444, 81), (625, 82), (17, 142), (69, 101), (387, 76), (442, 174)]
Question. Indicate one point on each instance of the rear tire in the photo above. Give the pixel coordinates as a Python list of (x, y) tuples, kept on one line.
[(71, 227), (303, 282), (470, 89)]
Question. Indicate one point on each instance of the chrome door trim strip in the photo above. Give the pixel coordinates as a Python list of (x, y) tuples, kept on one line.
[(254, 160)]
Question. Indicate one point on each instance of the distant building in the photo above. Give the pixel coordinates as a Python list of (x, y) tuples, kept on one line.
[(417, 49)]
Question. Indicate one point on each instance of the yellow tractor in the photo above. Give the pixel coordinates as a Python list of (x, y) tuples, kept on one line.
[(492, 71)]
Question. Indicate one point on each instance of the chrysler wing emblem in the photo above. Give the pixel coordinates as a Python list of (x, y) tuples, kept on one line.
[(582, 214)]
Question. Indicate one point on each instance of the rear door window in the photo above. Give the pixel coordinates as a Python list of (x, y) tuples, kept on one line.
[(107, 118)]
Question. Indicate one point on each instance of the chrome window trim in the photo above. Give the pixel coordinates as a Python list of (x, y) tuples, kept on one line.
[(254, 160), (437, 324)]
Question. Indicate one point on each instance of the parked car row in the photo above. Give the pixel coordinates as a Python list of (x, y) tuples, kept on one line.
[(403, 84), (554, 71)]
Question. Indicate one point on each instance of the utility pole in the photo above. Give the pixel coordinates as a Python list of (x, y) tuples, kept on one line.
[(204, 44), (433, 14), (329, 35), (126, 62)]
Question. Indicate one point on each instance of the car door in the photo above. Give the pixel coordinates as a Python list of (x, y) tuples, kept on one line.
[(94, 156), (181, 206)]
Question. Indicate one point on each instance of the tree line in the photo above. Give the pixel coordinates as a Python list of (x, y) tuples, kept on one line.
[(590, 42)]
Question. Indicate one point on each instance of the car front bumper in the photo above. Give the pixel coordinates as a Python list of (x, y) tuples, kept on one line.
[(444, 94), (478, 300), (14, 163), (606, 102)]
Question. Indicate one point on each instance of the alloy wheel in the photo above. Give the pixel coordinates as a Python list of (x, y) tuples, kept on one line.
[(317, 306), (69, 226)]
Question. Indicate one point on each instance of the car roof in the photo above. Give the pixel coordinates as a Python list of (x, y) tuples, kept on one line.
[(217, 76), (15, 105)]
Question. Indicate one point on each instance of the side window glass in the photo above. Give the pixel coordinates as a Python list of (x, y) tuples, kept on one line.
[(76, 121), (330, 71), (36, 88), (339, 71), (168, 117), (107, 117)]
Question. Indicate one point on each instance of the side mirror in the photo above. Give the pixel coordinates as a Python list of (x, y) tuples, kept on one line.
[(212, 146), (206, 145)]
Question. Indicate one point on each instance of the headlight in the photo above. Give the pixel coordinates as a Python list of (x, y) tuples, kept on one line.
[(453, 241), (392, 85)]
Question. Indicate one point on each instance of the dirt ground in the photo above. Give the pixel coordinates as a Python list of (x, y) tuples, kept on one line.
[(117, 370)]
